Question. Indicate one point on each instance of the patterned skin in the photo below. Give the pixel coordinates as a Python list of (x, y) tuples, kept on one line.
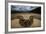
[(25, 22)]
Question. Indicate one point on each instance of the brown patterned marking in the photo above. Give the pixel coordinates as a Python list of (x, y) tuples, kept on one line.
[(26, 23)]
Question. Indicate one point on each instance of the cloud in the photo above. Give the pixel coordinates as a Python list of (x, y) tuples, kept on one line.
[(23, 8)]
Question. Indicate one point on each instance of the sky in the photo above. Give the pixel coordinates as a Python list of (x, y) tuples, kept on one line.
[(23, 8)]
